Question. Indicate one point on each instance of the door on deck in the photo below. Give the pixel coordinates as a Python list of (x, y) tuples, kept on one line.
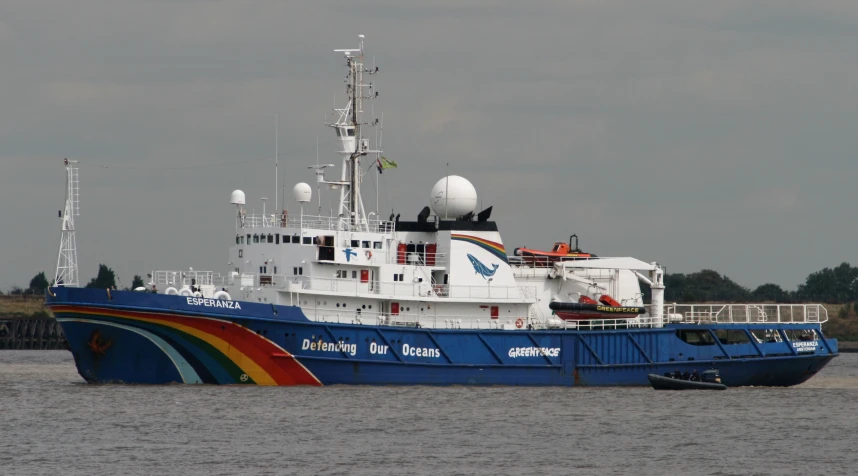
[(426, 314)]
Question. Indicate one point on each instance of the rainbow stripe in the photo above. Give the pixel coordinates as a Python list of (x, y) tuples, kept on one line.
[(496, 249), (204, 350)]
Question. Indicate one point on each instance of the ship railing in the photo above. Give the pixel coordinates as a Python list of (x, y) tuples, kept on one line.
[(611, 324), (314, 222), (187, 277), (355, 286), (542, 261), (407, 317), (417, 258), (745, 313)]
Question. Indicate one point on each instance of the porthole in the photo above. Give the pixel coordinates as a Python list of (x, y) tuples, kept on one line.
[(363, 307), (338, 304)]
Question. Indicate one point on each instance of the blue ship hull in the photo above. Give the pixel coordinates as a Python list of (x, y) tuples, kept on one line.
[(134, 337)]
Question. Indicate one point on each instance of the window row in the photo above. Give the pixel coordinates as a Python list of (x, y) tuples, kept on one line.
[(294, 239), (365, 244)]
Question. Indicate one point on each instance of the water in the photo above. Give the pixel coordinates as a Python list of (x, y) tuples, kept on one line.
[(53, 423)]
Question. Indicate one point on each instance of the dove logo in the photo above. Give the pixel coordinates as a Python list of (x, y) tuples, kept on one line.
[(482, 269), (349, 253)]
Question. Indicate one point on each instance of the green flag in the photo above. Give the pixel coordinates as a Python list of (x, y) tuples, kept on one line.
[(384, 163), (387, 163)]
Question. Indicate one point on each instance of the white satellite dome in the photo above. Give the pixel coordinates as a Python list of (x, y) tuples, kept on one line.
[(452, 197), (302, 192), (237, 197)]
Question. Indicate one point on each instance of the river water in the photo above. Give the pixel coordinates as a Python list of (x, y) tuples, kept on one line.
[(52, 423)]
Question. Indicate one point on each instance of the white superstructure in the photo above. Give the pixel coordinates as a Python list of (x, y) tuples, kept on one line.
[(448, 267)]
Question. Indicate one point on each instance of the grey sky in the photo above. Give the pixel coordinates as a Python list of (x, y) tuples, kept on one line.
[(698, 134)]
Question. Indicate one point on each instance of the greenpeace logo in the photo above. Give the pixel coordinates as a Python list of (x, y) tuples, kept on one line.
[(617, 309), (195, 301), (516, 352)]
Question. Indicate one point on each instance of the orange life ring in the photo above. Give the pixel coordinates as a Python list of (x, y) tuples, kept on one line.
[(519, 323), (368, 254)]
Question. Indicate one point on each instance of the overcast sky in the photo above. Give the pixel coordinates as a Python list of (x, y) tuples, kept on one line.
[(697, 134)]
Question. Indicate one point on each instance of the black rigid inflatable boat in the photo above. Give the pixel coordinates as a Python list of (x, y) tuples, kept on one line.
[(710, 380)]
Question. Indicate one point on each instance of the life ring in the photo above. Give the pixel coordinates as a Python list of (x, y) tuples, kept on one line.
[(186, 292), (519, 323), (171, 291), (198, 294), (223, 295), (368, 254)]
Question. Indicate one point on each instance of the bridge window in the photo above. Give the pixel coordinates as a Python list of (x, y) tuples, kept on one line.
[(276, 239), (237, 240), (364, 244), (355, 243), (376, 245), (308, 240), (248, 239), (696, 337), (732, 336), (270, 238), (256, 238)]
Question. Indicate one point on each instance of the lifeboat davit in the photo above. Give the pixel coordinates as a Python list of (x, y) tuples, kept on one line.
[(587, 308), (560, 252)]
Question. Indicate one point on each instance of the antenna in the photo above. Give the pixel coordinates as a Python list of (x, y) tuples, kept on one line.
[(348, 126), (446, 188), (276, 158), (67, 269)]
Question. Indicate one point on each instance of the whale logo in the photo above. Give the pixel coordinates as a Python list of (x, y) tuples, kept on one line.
[(482, 269), (349, 253)]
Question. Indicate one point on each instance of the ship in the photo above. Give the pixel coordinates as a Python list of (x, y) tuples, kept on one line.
[(349, 297)]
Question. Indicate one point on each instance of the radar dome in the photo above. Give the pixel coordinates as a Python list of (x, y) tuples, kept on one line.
[(237, 197), (302, 192), (452, 197)]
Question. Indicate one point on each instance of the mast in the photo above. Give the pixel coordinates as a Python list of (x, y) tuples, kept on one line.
[(67, 274), (348, 128)]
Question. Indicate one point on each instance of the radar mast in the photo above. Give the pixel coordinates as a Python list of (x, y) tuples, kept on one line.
[(67, 274), (348, 127)]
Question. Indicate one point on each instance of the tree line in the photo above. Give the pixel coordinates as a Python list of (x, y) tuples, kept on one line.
[(104, 279), (836, 285)]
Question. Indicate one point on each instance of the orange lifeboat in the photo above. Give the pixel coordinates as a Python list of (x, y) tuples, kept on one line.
[(560, 252)]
